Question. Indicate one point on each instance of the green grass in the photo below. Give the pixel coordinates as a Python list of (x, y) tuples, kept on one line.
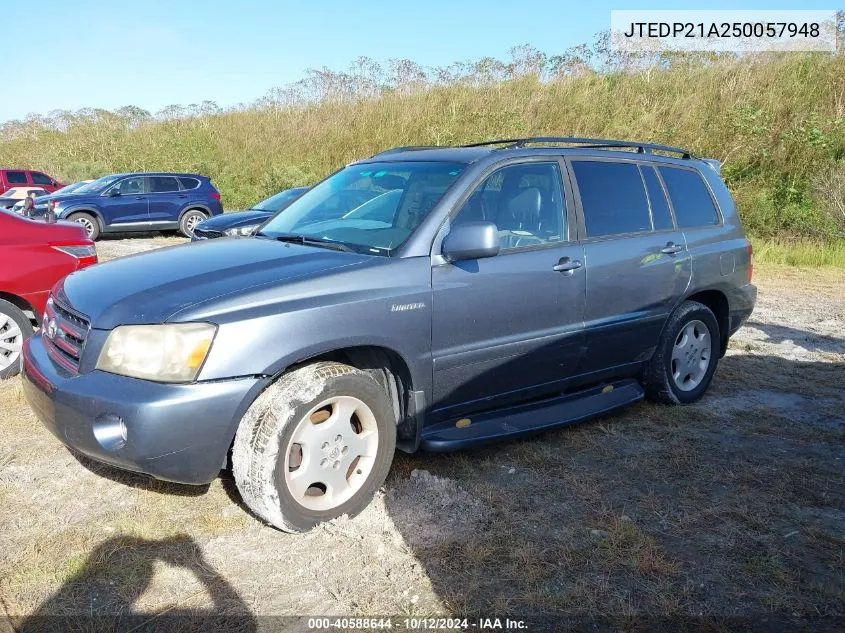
[(776, 121), (802, 252)]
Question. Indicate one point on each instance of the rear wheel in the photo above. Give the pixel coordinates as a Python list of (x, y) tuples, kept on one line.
[(315, 445), (88, 222), (15, 328), (683, 364), (189, 221)]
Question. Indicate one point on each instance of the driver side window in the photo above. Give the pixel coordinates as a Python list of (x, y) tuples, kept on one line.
[(130, 186), (524, 201)]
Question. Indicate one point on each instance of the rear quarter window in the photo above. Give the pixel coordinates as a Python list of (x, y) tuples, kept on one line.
[(189, 183), (16, 177), (612, 197), (690, 197)]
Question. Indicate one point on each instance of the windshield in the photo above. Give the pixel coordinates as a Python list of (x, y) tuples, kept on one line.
[(97, 185), (71, 188), (280, 200), (372, 207)]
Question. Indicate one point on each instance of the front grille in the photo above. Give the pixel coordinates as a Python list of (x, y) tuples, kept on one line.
[(65, 333), (207, 234)]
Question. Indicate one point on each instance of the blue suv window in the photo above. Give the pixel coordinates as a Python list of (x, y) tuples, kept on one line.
[(612, 197), (660, 214), (189, 183), (690, 197), (162, 184)]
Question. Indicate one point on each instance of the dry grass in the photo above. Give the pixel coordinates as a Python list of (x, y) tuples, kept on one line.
[(730, 507), (775, 120)]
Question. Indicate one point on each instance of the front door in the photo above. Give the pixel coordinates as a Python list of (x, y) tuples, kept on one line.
[(124, 204), (509, 327), (638, 259), (166, 200)]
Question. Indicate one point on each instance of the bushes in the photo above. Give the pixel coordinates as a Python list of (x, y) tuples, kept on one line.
[(777, 121)]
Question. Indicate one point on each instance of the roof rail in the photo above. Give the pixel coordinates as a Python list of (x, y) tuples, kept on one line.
[(597, 143), (405, 148)]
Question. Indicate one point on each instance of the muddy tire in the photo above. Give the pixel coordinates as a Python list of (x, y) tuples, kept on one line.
[(15, 328), (316, 445), (686, 356), (88, 222)]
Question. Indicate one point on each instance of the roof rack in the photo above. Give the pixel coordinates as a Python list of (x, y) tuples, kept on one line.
[(592, 143), (406, 148)]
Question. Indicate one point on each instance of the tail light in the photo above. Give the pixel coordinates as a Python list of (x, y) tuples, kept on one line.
[(51, 205), (85, 253), (750, 250), (215, 195)]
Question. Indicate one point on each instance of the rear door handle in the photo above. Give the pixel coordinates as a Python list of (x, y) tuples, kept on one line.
[(567, 266), (671, 249), (182, 195), (141, 198)]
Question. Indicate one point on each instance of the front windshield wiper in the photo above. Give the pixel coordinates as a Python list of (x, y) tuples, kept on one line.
[(312, 241)]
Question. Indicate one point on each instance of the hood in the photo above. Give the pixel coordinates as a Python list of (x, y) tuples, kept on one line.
[(64, 197), (234, 219), (152, 287)]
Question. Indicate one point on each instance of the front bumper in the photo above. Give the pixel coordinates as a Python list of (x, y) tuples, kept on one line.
[(179, 433)]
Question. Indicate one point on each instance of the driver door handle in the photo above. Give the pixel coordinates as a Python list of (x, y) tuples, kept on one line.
[(567, 266), (671, 249)]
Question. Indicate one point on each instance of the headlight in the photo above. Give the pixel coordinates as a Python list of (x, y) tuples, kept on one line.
[(241, 231), (163, 353)]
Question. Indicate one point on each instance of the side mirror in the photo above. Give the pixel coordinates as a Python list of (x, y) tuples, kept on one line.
[(113, 193), (473, 240)]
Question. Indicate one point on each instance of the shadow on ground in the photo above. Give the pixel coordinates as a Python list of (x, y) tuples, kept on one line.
[(101, 596)]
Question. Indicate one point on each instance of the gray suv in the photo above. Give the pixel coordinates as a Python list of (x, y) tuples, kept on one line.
[(430, 298)]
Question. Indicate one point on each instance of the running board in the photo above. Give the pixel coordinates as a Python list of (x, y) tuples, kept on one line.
[(523, 419)]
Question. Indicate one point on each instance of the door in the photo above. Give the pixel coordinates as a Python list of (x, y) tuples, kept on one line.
[(166, 199), (509, 327), (125, 203), (639, 266)]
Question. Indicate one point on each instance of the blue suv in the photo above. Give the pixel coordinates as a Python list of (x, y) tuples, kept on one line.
[(137, 202)]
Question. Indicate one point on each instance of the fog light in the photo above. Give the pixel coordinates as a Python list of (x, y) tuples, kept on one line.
[(110, 432)]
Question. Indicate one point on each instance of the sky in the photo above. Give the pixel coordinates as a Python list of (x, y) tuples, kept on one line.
[(155, 53)]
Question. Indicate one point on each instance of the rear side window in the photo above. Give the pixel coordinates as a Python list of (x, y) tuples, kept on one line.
[(41, 179), (612, 197), (659, 207), (189, 183), (16, 177), (690, 197), (162, 184)]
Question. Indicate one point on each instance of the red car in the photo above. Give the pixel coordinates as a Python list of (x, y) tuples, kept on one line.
[(27, 178), (34, 255)]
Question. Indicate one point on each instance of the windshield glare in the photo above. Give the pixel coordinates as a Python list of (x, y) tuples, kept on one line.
[(373, 206), (97, 185), (279, 201)]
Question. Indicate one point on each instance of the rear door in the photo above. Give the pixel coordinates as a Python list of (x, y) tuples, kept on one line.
[(508, 327), (14, 178), (639, 266), (166, 199), (124, 204)]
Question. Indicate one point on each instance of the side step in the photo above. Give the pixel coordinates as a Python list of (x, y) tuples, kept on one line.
[(523, 419)]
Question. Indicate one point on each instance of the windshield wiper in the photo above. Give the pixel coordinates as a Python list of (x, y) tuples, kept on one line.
[(313, 241)]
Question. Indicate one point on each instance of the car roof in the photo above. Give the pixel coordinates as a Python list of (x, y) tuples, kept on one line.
[(158, 173)]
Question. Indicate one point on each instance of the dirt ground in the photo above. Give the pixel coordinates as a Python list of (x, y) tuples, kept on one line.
[(724, 514)]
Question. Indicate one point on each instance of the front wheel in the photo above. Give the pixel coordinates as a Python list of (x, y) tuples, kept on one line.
[(686, 356), (88, 222), (315, 445), (14, 329)]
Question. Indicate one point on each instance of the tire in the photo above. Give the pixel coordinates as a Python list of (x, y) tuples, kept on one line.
[(681, 369), (15, 328), (189, 220), (341, 466), (88, 222)]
